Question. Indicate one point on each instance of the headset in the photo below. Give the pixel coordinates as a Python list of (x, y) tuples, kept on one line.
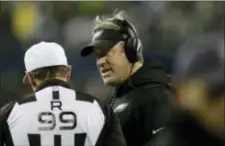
[(133, 46)]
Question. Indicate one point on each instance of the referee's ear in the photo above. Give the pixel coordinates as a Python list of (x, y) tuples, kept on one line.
[(68, 73), (31, 80)]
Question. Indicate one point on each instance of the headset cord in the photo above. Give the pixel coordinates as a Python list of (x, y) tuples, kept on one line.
[(112, 99)]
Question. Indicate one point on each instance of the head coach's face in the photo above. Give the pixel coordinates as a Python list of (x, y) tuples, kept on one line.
[(109, 48), (113, 65)]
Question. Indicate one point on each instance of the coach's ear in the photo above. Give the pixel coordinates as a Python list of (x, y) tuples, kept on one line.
[(31, 80), (68, 73)]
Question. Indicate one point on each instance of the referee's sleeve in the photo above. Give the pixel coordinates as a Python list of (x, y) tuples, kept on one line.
[(4, 113), (112, 134)]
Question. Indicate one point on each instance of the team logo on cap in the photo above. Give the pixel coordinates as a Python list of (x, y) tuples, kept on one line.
[(97, 34)]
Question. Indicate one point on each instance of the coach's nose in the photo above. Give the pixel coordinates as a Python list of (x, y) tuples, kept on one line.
[(101, 62)]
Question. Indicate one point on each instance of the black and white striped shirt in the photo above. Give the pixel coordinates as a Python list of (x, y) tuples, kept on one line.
[(56, 115)]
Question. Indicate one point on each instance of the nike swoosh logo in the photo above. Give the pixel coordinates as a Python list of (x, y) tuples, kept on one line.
[(157, 130)]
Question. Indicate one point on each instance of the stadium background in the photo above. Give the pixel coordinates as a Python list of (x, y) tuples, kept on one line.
[(162, 26)]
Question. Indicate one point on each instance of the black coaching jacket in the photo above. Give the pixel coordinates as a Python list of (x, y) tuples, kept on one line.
[(143, 103)]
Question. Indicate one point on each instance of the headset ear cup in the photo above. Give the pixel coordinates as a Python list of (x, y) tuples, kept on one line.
[(134, 49), (135, 44), (130, 50), (132, 46), (131, 43)]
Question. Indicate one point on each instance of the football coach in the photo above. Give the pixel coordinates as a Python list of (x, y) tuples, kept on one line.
[(142, 93)]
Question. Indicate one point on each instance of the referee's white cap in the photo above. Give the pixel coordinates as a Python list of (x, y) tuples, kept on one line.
[(44, 54)]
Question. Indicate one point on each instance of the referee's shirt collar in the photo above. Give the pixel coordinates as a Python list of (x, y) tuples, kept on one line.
[(53, 82)]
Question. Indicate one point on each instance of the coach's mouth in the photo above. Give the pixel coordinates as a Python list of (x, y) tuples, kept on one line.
[(106, 72)]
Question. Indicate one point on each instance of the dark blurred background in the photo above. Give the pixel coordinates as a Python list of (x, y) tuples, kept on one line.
[(162, 27)]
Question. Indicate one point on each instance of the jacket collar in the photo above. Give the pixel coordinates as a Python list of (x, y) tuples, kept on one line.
[(150, 73), (53, 82)]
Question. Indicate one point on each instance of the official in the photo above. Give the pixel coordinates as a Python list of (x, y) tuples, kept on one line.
[(142, 93), (56, 114), (199, 83)]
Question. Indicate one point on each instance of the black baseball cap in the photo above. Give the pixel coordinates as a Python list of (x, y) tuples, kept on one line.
[(103, 39), (203, 57)]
